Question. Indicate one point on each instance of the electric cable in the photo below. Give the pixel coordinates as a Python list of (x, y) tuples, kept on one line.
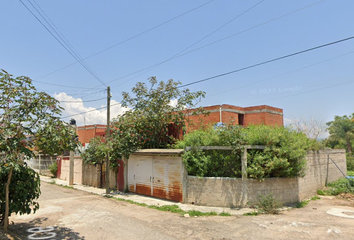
[(132, 37), (268, 61), (67, 48)]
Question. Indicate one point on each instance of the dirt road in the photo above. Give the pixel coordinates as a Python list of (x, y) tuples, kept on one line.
[(79, 215)]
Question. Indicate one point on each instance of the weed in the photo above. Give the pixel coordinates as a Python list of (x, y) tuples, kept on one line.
[(194, 213), (225, 214), (302, 204), (320, 192), (168, 208), (315, 198), (251, 214), (350, 173), (268, 204)]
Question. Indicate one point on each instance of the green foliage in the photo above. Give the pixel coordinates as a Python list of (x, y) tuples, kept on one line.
[(213, 163), (350, 173), (225, 214), (96, 152), (152, 116), (25, 115), (350, 162), (302, 204), (267, 204), (23, 191), (341, 131), (343, 185), (315, 198), (55, 137), (284, 155), (53, 168)]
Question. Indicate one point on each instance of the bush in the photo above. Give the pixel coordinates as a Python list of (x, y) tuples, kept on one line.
[(213, 163), (267, 204), (284, 155), (23, 192), (53, 168), (350, 162)]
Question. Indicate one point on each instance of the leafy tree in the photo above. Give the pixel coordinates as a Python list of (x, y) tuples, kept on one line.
[(152, 116), (23, 112), (53, 137), (341, 131)]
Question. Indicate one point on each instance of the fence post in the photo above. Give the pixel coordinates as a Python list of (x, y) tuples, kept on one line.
[(326, 183), (244, 177)]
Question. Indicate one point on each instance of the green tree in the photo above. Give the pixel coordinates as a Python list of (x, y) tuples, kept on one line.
[(341, 131), (23, 113), (54, 137), (152, 115)]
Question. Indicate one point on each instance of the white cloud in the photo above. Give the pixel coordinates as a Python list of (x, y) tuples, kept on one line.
[(93, 115), (173, 103)]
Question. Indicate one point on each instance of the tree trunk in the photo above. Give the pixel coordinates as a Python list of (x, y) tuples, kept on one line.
[(7, 205)]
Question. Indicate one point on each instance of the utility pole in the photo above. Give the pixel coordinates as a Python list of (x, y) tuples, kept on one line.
[(72, 156), (107, 136)]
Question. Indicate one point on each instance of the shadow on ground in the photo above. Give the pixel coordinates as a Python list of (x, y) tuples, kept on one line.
[(19, 231)]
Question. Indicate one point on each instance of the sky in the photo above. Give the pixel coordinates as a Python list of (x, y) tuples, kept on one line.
[(120, 43)]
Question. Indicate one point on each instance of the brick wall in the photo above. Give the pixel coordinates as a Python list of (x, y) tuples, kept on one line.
[(227, 192), (231, 115), (86, 133)]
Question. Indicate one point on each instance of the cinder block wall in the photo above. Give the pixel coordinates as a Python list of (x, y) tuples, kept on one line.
[(316, 173), (227, 192)]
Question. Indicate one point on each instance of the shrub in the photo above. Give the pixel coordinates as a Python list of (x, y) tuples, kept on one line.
[(350, 162), (53, 168), (213, 163), (23, 192), (284, 155), (267, 204)]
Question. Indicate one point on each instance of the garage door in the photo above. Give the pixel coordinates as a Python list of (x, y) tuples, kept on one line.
[(157, 176)]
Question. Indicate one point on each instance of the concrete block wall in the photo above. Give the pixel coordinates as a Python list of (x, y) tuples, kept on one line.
[(317, 174), (227, 192), (214, 191), (284, 190)]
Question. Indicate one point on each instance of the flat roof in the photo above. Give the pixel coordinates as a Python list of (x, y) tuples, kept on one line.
[(159, 151)]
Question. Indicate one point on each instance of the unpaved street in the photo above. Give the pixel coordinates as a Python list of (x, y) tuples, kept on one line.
[(79, 215)]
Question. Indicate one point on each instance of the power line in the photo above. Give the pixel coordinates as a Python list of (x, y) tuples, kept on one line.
[(80, 101), (89, 111), (133, 37), (268, 61), (212, 43), (63, 43), (283, 74), (185, 49)]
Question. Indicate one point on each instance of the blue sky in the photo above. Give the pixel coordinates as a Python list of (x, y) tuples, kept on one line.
[(213, 37)]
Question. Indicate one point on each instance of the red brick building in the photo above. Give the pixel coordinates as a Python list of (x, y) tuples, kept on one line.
[(86, 133), (229, 114)]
